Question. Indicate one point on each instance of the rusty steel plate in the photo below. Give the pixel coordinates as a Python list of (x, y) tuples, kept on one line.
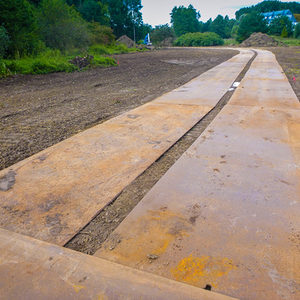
[(32, 269), (55, 193), (212, 82), (227, 213)]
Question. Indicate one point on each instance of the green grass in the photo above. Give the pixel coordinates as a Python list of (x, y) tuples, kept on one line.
[(47, 62), (52, 61), (230, 42), (110, 50), (287, 41)]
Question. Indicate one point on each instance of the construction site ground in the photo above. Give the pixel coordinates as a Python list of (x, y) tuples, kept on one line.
[(41, 110), (37, 112)]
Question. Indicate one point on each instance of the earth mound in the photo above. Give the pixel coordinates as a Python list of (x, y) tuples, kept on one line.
[(124, 39), (259, 39)]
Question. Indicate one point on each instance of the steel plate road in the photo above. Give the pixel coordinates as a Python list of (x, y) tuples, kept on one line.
[(55, 193), (227, 213), (31, 269)]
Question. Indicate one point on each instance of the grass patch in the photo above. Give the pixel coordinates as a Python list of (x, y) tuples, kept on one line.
[(112, 49), (231, 42), (287, 41), (50, 61)]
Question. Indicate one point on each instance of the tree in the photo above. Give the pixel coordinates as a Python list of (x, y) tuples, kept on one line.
[(297, 31), (207, 26), (250, 23), (185, 20), (18, 18), (162, 32), (278, 25), (4, 41), (61, 26), (125, 16), (100, 34), (270, 5), (93, 10)]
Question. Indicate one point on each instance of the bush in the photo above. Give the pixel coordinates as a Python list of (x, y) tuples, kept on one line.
[(100, 34), (110, 50), (104, 61), (253, 22), (19, 19), (281, 26), (161, 33), (199, 39), (297, 31), (61, 26), (4, 41), (4, 71)]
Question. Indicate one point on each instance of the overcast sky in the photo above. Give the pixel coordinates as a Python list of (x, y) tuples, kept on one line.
[(157, 12)]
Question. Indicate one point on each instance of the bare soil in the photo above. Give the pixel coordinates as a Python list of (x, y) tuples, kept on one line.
[(289, 59), (41, 110)]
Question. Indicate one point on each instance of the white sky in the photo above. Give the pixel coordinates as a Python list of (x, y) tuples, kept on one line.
[(157, 12)]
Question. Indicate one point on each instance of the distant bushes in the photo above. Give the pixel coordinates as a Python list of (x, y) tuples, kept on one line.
[(100, 34), (197, 39), (61, 26)]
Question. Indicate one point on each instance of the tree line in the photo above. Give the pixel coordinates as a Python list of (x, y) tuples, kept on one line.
[(28, 26), (186, 20)]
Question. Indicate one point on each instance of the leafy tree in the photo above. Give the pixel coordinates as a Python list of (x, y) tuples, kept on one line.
[(185, 20), (125, 16), (284, 33), (100, 34), (18, 17), (207, 26), (93, 10), (250, 23), (222, 26), (297, 31), (162, 32), (279, 24), (4, 41), (61, 26), (269, 5)]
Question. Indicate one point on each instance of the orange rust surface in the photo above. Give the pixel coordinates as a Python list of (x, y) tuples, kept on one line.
[(32, 269), (227, 213), (55, 193)]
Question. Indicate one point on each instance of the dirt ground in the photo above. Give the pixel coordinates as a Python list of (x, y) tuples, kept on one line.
[(289, 59), (39, 111)]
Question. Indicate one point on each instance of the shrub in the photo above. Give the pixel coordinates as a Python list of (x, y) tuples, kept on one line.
[(253, 22), (199, 39), (18, 18), (110, 50), (104, 61), (161, 33), (61, 26), (4, 71), (297, 31), (281, 26), (4, 41), (100, 34)]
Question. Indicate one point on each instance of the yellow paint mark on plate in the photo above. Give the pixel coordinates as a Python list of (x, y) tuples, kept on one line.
[(202, 270), (78, 288)]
